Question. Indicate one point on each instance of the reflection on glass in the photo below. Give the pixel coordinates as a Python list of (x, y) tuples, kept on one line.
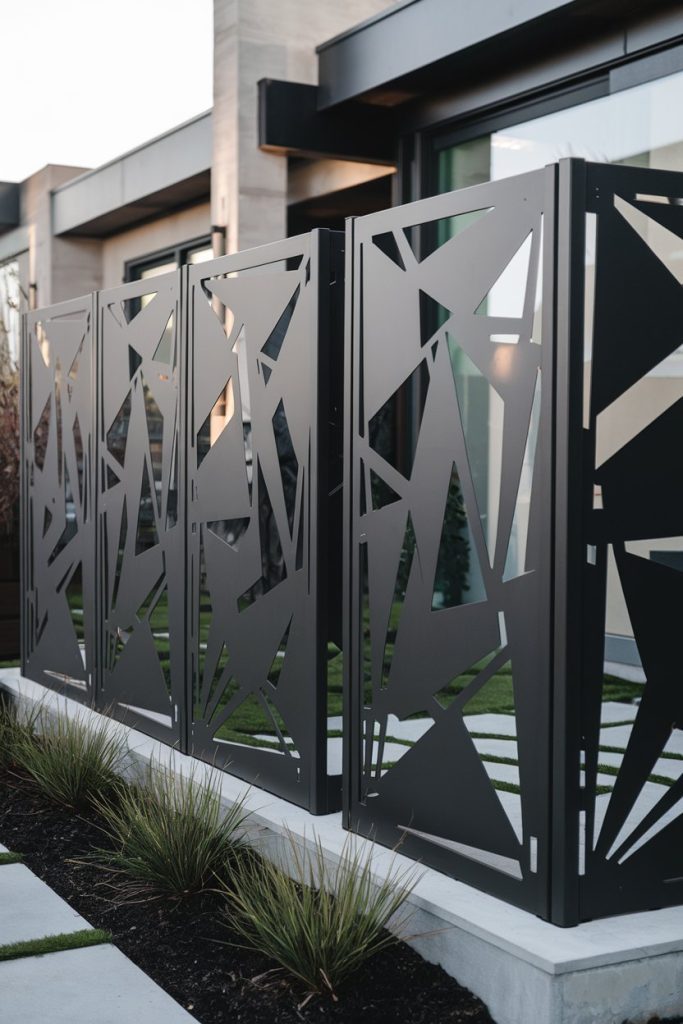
[(199, 255), (633, 127), (482, 416)]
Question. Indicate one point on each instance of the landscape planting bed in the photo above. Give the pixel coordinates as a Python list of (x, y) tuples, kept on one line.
[(183, 947)]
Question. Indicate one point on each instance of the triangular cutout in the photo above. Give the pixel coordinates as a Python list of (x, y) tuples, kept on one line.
[(411, 394), (386, 243), (117, 435), (482, 414), (458, 579), (222, 411), (134, 361), (507, 294), (112, 478), (274, 570), (131, 307), (266, 372), (248, 723), (403, 570), (445, 696), (436, 233), (432, 317), (155, 434), (120, 553), (47, 519), (70, 526), (41, 435), (78, 452), (146, 536), (299, 564), (289, 464), (382, 493), (163, 353), (277, 663), (230, 531), (152, 599), (73, 369), (218, 685), (277, 335), (516, 557)]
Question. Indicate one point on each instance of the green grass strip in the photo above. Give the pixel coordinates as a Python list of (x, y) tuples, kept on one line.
[(55, 943), (622, 750), (495, 759), (10, 858), (493, 736)]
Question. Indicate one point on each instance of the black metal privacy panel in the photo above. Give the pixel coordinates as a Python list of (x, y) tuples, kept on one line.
[(58, 462), (263, 425), (514, 409), (621, 775), (182, 445), (450, 389), (140, 509)]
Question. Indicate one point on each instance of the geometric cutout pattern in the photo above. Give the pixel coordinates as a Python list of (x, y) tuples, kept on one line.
[(441, 464), (408, 400), (59, 606), (142, 592), (253, 585), (631, 783)]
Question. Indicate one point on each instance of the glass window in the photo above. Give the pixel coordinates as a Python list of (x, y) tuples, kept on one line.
[(157, 269), (638, 127), (197, 251), (200, 255)]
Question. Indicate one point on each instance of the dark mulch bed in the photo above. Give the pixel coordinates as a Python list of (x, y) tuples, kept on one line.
[(179, 948)]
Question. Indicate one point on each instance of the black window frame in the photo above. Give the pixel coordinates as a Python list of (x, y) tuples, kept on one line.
[(418, 168)]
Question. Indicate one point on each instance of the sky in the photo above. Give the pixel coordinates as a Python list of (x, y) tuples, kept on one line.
[(85, 80)]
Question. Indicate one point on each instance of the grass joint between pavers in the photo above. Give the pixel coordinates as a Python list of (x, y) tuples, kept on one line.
[(55, 943), (11, 858)]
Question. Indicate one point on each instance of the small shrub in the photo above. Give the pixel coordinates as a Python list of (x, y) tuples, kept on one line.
[(14, 730), (169, 836), (73, 760), (320, 923)]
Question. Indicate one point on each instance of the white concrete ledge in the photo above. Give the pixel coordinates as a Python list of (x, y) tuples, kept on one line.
[(526, 970)]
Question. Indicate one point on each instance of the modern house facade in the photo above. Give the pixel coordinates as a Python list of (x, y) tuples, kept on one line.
[(511, 375), (424, 97)]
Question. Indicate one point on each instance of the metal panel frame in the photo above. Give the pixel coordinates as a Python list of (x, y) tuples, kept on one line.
[(140, 681), (632, 842), (531, 891), (230, 279), (64, 334)]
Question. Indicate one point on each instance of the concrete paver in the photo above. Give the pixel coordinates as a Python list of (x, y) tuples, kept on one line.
[(29, 909), (94, 985)]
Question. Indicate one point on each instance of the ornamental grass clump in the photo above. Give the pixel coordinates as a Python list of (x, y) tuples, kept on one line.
[(75, 761), (15, 728), (319, 923), (169, 836)]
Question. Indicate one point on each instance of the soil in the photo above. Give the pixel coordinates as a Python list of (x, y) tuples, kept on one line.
[(183, 946)]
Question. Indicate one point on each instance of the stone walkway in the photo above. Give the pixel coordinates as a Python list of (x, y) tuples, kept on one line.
[(92, 985)]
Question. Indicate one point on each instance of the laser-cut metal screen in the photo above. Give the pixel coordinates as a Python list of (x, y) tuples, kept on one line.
[(262, 632), (58, 632), (514, 392), (140, 508), (450, 385), (624, 762), (217, 633)]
